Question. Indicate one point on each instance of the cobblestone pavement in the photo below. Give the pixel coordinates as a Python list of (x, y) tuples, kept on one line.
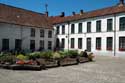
[(103, 70)]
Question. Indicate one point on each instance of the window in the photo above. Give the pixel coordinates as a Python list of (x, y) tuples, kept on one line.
[(49, 45), (72, 42), (63, 29), (80, 28), (5, 44), (72, 29), (41, 33), (122, 24), (109, 43), (122, 43), (41, 45), (49, 34), (18, 44), (32, 32), (88, 27), (63, 43), (80, 43), (98, 43), (32, 45), (98, 26), (57, 30), (109, 24)]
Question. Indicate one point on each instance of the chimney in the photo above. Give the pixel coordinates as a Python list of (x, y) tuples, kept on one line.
[(121, 3), (62, 14), (73, 13), (81, 12), (47, 13)]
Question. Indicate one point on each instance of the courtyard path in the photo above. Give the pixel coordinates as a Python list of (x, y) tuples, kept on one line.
[(104, 70)]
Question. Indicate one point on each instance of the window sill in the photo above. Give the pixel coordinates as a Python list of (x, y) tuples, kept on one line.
[(98, 48), (109, 49), (121, 49)]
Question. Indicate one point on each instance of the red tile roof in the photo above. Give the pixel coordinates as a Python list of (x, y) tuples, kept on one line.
[(20, 16), (91, 14)]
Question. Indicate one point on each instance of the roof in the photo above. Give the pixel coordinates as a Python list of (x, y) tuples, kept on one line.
[(24, 17), (96, 13)]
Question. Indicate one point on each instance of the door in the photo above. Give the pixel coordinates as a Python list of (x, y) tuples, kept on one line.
[(89, 44)]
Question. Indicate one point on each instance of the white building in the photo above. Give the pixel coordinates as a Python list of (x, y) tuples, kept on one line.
[(24, 30), (100, 31)]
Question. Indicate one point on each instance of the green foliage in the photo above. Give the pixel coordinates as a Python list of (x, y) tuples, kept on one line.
[(34, 55), (7, 57), (73, 53), (22, 57), (47, 55)]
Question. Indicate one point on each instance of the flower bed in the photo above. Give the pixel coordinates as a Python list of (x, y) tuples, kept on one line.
[(42, 60)]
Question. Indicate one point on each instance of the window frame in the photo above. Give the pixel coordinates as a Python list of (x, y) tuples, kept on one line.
[(122, 24), (109, 25), (57, 30), (63, 29), (18, 41), (89, 27), (98, 43), (42, 33), (122, 43), (32, 45), (63, 43), (41, 45), (72, 43), (32, 32), (5, 44), (98, 25), (72, 28), (50, 33), (109, 45), (80, 43), (49, 45), (80, 25)]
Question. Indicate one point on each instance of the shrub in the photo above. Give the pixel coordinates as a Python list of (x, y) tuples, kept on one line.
[(7, 57), (73, 53), (22, 57), (34, 55), (63, 54), (56, 55), (47, 55)]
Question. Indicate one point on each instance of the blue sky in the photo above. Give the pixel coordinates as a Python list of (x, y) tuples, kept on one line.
[(55, 7)]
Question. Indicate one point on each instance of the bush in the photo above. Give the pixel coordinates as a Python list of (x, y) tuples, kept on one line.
[(22, 57), (73, 53), (47, 55), (34, 55), (7, 57)]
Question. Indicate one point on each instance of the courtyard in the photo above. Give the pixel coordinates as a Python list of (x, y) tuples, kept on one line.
[(104, 69)]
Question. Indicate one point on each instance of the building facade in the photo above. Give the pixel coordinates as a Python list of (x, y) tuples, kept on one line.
[(24, 30), (100, 31), (94, 34)]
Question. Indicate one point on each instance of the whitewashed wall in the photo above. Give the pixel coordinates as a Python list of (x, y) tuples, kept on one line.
[(13, 32), (103, 34)]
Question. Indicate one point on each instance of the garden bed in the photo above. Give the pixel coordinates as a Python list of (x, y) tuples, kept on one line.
[(42, 60), (68, 61)]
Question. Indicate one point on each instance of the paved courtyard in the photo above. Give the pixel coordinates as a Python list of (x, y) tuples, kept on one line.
[(103, 70)]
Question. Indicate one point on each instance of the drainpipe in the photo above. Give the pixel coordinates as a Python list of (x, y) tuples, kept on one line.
[(68, 34), (114, 34)]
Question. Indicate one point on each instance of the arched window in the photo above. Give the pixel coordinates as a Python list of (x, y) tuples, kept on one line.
[(122, 24)]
